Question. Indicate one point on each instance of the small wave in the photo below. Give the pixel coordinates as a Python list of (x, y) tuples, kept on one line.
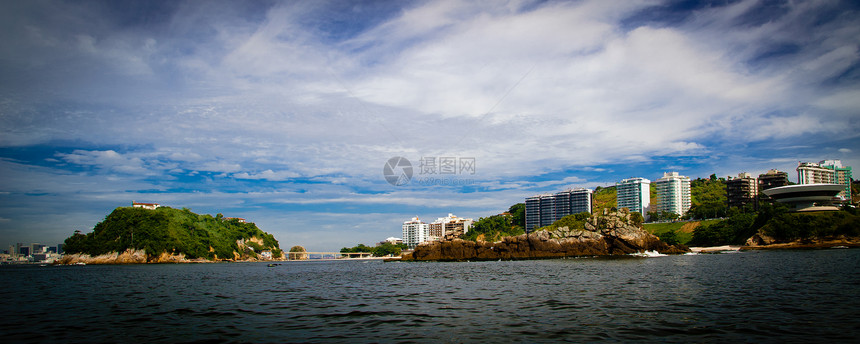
[(648, 254)]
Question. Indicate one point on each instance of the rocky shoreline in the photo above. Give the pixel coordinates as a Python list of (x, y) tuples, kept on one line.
[(603, 235), (807, 244), (132, 256)]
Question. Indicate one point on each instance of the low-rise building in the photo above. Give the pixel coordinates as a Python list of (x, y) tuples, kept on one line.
[(150, 206)]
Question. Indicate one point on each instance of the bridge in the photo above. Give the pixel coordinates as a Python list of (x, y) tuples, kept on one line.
[(327, 255)]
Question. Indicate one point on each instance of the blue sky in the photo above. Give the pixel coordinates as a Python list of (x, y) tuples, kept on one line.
[(285, 113)]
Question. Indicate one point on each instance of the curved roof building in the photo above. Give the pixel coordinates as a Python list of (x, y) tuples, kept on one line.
[(807, 197)]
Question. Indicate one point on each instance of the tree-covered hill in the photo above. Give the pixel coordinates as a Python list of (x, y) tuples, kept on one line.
[(173, 231)]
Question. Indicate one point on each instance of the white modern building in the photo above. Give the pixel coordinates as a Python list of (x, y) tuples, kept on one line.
[(635, 195), (415, 232), (673, 193)]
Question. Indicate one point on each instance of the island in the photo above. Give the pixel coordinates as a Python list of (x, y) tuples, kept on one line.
[(161, 234)]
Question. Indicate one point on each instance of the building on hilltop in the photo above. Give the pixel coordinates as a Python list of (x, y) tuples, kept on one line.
[(635, 195), (415, 232), (741, 191), (543, 210), (826, 172), (449, 227), (390, 240), (150, 206), (673, 193), (238, 219)]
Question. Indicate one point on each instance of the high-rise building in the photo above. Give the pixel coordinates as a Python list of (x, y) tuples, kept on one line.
[(449, 227), (415, 232), (543, 210), (741, 191), (768, 180), (635, 195), (826, 172), (673, 193), (842, 176)]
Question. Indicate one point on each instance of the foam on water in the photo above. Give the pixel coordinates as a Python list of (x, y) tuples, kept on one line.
[(648, 254)]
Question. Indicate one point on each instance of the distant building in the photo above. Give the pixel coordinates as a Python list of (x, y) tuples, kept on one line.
[(826, 172), (770, 179), (635, 195), (543, 210), (391, 240), (449, 227), (415, 232), (150, 206), (238, 219), (266, 255), (36, 248), (60, 248), (24, 251), (741, 191), (673, 193)]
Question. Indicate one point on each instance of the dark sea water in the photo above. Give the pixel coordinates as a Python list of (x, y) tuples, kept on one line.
[(775, 296)]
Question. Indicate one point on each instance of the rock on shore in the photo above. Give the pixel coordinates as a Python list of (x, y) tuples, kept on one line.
[(609, 234), (130, 256)]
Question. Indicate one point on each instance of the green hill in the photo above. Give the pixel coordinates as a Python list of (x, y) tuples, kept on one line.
[(173, 231)]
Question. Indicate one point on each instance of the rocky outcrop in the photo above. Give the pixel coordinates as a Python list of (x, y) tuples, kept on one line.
[(761, 241), (609, 234), (130, 256)]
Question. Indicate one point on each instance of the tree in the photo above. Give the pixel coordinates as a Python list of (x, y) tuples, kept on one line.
[(670, 237), (518, 213)]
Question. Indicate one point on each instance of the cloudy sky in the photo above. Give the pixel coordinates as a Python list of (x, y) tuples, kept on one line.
[(286, 112)]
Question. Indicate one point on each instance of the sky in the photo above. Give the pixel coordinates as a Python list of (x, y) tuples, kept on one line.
[(286, 113)]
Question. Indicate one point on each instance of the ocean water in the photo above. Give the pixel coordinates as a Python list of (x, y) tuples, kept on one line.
[(772, 296)]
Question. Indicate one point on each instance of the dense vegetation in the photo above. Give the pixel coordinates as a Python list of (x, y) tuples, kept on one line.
[(604, 198), (775, 221), (708, 198), (173, 231), (679, 232), (573, 221), (495, 227), (382, 250)]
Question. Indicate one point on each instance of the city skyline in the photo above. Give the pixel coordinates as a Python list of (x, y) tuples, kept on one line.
[(285, 114)]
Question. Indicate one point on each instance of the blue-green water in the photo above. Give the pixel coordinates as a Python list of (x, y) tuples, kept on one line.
[(775, 296)]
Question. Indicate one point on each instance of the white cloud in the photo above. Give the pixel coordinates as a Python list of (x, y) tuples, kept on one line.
[(267, 175)]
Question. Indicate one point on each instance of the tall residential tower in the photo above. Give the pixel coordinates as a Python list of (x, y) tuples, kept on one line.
[(635, 195), (673, 193)]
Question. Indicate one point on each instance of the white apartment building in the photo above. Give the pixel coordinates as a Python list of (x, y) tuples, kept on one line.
[(635, 195), (415, 232), (673, 193)]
